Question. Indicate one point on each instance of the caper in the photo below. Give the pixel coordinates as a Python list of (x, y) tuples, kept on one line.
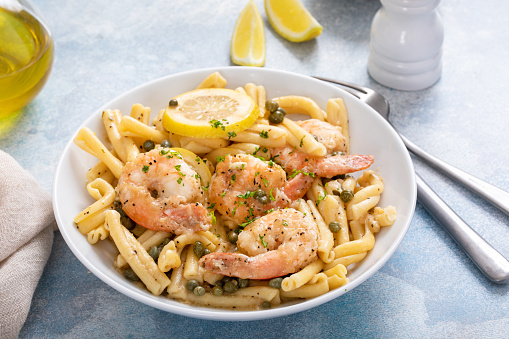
[(165, 241), (118, 207), (336, 192), (198, 249), (261, 196), (233, 237), (216, 290), (337, 153), (219, 283), (339, 176), (266, 305), (154, 252), (205, 252), (231, 286), (130, 275), (127, 222), (226, 279), (264, 200), (173, 103), (243, 283), (165, 143), (258, 194), (334, 226), (192, 284), (199, 291), (271, 105), (148, 145), (277, 116), (276, 282), (346, 195)]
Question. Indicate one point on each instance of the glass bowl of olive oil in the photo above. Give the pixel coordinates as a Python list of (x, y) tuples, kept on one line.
[(26, 54)]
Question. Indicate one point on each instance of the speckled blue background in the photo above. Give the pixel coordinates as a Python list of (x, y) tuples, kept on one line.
[(429, 288)]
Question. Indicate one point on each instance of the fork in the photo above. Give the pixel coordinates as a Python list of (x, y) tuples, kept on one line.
[(487, 259)]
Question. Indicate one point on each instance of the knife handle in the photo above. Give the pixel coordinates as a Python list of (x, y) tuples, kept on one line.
[(487, 259)]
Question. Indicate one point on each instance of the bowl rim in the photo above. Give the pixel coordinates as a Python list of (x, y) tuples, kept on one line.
[(199, 312)]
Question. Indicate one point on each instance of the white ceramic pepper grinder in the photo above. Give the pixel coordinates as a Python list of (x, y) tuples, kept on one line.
[(406, 44)]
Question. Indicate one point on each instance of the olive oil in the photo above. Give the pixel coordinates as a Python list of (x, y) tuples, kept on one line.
[(26, 56)]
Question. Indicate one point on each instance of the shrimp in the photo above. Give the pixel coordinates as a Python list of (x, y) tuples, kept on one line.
[(161, 192), (279, 243), (325, 133), (240, 180), (332, 164)]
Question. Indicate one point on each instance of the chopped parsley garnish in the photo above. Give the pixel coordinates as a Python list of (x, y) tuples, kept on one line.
[(296, 172), (145, 168), (270, 194), (213, 217), (231, 135), (223, 194), (320, 198), (265, 182), (219, 159), (264, 134), (274, 157), (264, 243), (211, 207), (244, 224), (246, 195), (270, 211), (301, 141), (216, 124)]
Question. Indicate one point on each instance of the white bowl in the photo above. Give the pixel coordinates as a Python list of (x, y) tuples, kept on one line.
[(370, 134)]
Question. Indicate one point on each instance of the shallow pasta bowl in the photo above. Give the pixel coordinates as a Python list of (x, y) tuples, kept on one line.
[(369, 133)]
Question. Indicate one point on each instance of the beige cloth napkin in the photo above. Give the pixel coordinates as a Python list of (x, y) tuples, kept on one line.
[(26, 236)]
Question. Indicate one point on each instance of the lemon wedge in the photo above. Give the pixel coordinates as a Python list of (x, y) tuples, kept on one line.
[(210, 113), (248, 40), (291, 20)]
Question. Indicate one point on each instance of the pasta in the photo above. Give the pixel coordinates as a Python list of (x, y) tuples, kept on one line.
[(344, 210)]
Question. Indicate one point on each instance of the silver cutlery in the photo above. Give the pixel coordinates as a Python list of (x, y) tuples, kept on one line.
[(487, 259)]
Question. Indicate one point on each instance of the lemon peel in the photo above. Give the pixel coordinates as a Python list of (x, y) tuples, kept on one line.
[(210, 113), (292, 20)]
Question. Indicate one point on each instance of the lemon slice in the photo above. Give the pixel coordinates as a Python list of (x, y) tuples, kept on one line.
[(248, 40), (196, 163), (291, 20), (210, 113)]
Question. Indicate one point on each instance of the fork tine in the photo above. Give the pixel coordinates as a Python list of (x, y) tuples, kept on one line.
[(345, 84), (367, 95)]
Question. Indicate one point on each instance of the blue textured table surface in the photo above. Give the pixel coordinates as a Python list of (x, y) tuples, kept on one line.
[(429, 288)]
